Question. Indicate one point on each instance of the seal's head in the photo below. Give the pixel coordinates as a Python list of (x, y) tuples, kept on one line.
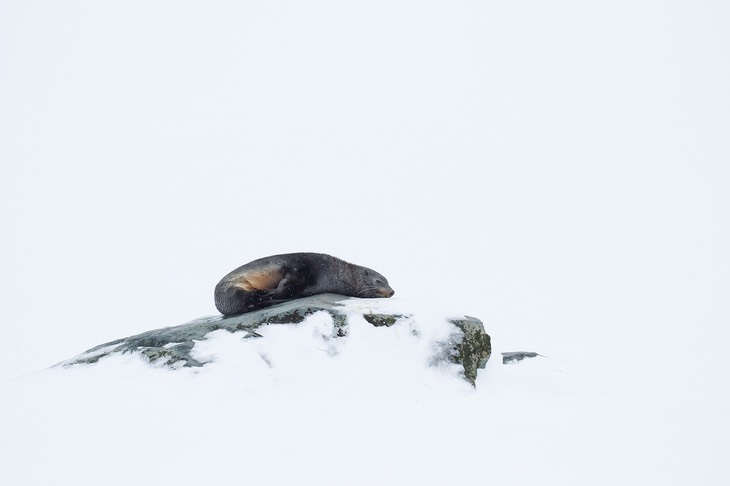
[(372, 284)]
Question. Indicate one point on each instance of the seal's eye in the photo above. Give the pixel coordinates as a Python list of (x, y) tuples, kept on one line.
[(378, 281)]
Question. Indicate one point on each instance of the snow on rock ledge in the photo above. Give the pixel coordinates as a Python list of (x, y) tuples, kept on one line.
[(457, 340)]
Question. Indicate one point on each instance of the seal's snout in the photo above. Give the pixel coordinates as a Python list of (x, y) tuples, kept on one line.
[(387, 292)]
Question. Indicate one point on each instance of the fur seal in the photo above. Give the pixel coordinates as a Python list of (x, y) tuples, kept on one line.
[(279, 278)]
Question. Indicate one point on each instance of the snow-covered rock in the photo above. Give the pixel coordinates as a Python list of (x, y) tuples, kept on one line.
[(460, 340)]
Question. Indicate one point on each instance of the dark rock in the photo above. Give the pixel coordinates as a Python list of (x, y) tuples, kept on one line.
[(469, 345), (474, 347), (515, 356), (379, 320)]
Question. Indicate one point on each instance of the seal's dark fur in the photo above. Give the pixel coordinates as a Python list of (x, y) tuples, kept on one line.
[(274, 279)]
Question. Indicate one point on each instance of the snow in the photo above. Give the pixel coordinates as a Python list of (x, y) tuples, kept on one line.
[(557, 170)]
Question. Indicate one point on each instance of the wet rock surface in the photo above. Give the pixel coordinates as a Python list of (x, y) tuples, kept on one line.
[(469, 345)]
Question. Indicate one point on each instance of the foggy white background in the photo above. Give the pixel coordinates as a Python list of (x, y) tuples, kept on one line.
[(557, 169)]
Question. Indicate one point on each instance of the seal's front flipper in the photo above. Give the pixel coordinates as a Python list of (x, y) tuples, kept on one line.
[(290, 286)]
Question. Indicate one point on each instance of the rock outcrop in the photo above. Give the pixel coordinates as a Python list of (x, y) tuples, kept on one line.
[(468, 345)]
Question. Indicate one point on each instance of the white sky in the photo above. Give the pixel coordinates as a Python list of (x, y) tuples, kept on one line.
[(558, 169)]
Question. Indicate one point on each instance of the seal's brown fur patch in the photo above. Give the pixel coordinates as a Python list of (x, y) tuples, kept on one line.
[(267, 279)]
